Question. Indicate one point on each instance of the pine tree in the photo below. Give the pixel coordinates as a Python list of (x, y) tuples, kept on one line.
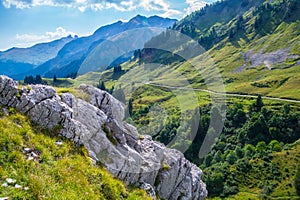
[(29, 80), (258, 104), (130, 107), (117, 69), (101, 85), (54, 79), (38, 79)]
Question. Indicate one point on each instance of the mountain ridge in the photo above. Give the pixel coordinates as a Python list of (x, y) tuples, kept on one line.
[(80, 47), (45, 50), (20, 60)]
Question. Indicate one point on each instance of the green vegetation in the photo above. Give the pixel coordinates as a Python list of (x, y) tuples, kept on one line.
[(101, 85), (268, 176), (254, 154), (56, 170), (60, 82), (166, 167), (56, 82), (34, 80)]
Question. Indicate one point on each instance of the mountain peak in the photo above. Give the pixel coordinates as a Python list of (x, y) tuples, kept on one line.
[(138, 18)]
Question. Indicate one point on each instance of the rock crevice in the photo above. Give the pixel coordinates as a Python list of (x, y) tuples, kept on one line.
[(99, 126)]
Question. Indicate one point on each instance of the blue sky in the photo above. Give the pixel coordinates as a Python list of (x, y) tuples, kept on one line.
[(27, 22)]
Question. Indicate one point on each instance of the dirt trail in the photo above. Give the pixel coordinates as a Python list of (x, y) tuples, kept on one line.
[(225, 94)]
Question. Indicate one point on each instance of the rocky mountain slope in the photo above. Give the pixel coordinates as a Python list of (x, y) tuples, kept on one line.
[(97, 123)]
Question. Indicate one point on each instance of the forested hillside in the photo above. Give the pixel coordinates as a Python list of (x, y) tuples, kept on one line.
[(257, 153)]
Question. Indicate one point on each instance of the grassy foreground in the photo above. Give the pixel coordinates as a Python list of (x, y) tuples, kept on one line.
[(52, 170)]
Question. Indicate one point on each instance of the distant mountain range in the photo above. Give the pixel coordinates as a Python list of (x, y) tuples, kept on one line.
[(64, 57), (19, 60)]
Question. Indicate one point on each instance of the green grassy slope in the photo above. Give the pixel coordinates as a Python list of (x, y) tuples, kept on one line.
[(58, 172), (246, 48), (281, 81)]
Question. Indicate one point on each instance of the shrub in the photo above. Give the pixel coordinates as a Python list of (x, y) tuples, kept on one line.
[(231, 158)]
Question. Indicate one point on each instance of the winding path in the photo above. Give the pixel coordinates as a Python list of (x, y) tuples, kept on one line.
[(225, 94)]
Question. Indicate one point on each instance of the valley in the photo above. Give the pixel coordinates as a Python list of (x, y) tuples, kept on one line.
[(216, 94)]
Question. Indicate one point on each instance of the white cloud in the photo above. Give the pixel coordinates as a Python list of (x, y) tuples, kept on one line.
[(159, 5), (27, 40), (170, 13), (16, 3), (122, 6), (154, 5), (81, 1), (194, 5), (82, 8), (96, 5)]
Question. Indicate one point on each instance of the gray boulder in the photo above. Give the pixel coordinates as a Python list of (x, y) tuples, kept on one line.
[(99, 126)]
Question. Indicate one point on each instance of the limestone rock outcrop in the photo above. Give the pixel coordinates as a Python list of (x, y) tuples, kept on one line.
[(97, 123)]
